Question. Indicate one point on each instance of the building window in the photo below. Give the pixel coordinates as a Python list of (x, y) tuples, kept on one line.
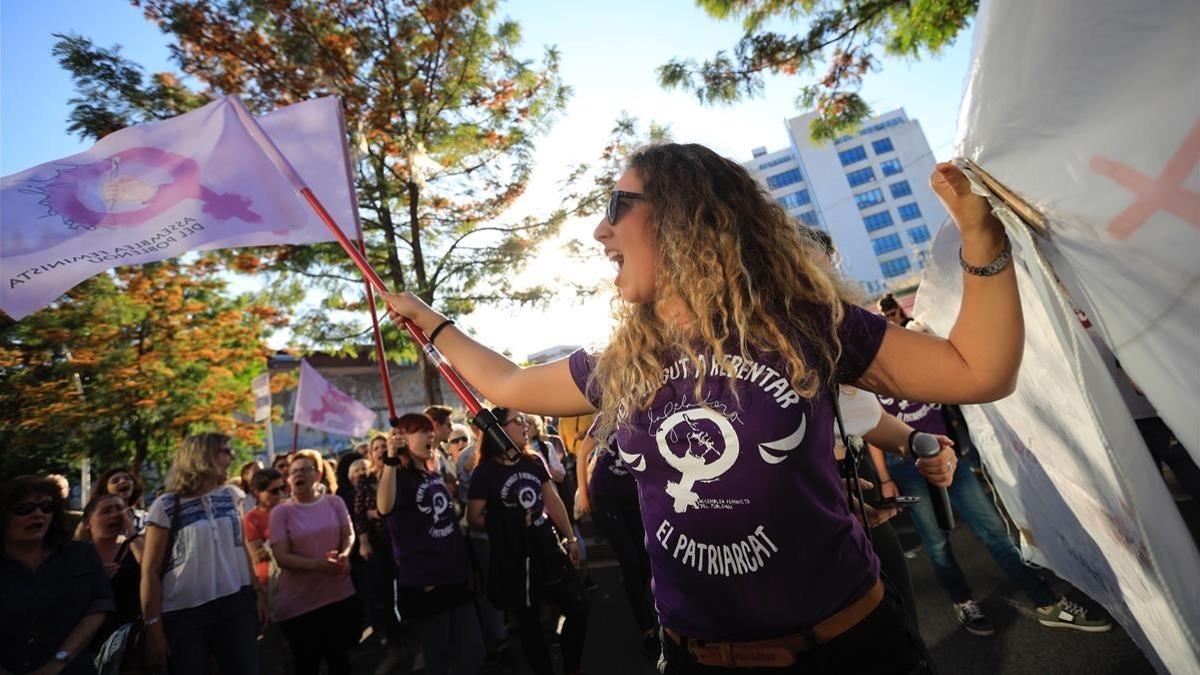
[(901, 189), (909, 211), (886, 243), (882, 146), (861, 176), (809, 218), (919, 234), (855, 154), (895, 267), (878, 221), (869, 198), (781, 179), (798, 198), (891, 167), (775, 162)]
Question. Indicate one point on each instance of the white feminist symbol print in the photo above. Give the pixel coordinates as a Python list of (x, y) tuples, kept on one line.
[(440, 504), (694, 465), (526, 497)]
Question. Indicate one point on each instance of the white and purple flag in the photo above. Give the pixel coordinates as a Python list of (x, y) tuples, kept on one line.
[(320, 405), (203, 180)]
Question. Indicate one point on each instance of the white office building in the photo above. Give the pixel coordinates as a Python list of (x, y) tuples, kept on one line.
[(870, 191)]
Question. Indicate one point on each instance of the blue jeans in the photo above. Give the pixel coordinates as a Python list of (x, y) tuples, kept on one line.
[(974, 506)]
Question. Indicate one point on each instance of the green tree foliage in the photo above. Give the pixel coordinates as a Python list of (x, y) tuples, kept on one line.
[(125, 365), (442, 114), (847, 35)]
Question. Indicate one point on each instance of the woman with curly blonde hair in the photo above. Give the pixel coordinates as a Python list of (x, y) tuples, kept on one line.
[(732, 333), (198, 589)]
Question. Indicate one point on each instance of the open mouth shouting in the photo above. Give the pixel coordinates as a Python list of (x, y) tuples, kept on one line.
[(616, 258)]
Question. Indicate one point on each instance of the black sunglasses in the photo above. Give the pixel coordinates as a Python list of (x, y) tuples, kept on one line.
[(278, 490), (25, 508), (613, 212), (459, 439)]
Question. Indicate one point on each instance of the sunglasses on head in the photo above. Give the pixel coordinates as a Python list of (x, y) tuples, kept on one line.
[(613, 211), (46, 506)]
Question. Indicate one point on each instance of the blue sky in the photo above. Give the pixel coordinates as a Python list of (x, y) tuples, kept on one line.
[(609, 54)]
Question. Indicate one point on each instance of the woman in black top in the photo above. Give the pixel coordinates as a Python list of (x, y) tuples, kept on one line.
[(108, 525), (515, 501), (53, 591)]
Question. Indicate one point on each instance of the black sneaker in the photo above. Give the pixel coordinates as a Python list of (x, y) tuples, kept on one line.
[(971, 616), (1068, 614)]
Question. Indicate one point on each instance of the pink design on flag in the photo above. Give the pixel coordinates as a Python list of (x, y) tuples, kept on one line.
[(1164, 193), (320, 405), (204, 180), (132, 187)]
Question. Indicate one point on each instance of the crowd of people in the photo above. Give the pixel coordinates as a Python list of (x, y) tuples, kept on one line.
[(715, 465)]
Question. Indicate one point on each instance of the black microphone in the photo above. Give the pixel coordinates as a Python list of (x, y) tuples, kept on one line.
[(926, 445)]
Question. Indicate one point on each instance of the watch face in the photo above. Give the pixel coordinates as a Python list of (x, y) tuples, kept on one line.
[(62, 655)]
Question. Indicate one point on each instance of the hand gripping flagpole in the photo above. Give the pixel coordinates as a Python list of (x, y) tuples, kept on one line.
[(481, 416)]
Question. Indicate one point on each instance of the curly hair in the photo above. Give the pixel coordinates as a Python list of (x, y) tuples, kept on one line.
[(745, 278)]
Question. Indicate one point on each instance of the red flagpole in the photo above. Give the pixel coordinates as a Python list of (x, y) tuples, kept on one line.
[(443, 366), (362, 247)]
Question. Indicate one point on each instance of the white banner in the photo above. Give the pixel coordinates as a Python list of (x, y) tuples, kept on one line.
[(320, 405), (1070, 467), (261, 388), (1089, 110), (149, 192)]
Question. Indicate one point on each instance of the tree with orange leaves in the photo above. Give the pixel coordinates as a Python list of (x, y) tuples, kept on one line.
[(126, 364), (442, 112)]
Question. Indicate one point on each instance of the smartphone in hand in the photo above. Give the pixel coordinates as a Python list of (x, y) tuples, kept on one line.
[(899, 501)]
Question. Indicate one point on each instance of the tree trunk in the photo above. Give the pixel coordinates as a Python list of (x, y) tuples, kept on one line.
[(432, 380)]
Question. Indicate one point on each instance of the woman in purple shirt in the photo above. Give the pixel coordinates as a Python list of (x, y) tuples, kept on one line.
[(432, 567), (717, 378)]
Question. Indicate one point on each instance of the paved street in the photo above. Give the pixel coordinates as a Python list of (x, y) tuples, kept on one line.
[(1020, 644)]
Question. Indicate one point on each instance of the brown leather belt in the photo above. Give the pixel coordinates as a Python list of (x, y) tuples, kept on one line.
[(779, 652)]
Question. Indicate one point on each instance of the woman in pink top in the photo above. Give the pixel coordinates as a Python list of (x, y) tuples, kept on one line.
[(311, 537)]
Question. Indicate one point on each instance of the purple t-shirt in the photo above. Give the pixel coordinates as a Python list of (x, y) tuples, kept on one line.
[(611, 484), (747, 526), (426, 541), (925, 417), (513, 485)]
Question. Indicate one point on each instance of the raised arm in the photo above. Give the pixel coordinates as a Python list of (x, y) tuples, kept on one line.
[(980, 359), (544, 389)]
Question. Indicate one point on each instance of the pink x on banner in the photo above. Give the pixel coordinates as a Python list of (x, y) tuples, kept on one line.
[(320, 405), (149, 192)]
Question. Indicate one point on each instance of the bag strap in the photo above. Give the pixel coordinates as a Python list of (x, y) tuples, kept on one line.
[(853, 487), (174, 510)]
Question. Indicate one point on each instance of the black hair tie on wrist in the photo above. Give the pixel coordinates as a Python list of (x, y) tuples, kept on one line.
[(440, 326)]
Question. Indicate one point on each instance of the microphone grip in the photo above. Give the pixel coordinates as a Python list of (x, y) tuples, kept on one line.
[(926, 445)]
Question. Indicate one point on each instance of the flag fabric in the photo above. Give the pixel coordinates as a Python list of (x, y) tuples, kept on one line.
[(149, 192), (1104, 144), (320, 405)]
